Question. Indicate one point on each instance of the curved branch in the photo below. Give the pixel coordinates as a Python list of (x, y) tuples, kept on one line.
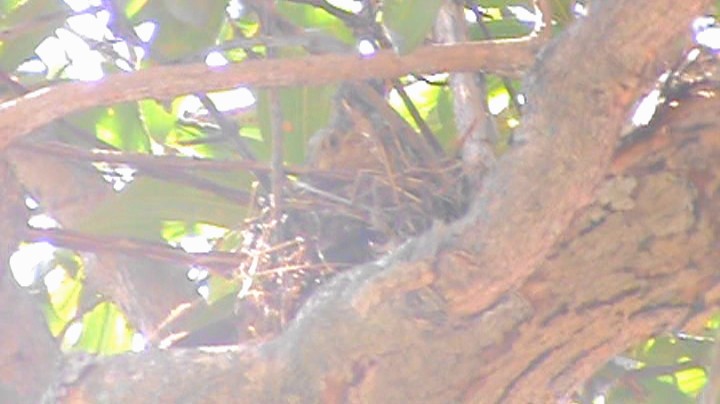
[(34, 110)]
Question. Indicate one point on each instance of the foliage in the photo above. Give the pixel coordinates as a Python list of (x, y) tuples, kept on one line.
[(219, 205)]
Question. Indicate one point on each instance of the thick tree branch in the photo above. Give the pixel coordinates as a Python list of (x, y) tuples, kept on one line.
[(533, 193), (450, 300)]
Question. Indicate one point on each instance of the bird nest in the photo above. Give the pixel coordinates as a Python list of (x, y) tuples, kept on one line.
[(369, 187)]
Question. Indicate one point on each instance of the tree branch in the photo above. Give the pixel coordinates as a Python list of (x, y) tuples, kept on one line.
[(217, 262), (532, 194), (29, 112)]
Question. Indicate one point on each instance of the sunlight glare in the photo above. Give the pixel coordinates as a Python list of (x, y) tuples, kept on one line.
[(43, 221), (51, 53), (580, 10), (219, 349), (197, 274), (27, 259), (88, 25), (117, 175), (145, 31), (73, 334), (646, 109), (195, 244), (54, 279), (235, 9), (121, 325), (470, 16), (416, 91), (189, 104), (139, 342), (352, 6), (86, 64), (233, 99), (204, 291), (157, 149), (498, 102), (707, 32), (215, 59), (31, 203), (224, 101), (525, 15), (32, 66), (709, 38), (599, 400), (126, 57), (366, 47)]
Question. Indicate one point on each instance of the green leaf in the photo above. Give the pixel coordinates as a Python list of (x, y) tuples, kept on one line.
[(63, 304), (120, 126), (141, 210), (663, 351), (409, 22), (221, 288), (424, 97), (659, 392), (9, 5), (158, 122), (105, 331), (316, 19), (198, 140), (442, 120), (305, 110), (195, 13), (648, 391), (132, 7), (183, 27), (691, 381), (501, 29), (561, 12)]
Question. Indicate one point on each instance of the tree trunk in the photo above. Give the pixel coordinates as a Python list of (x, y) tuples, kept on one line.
[(573, 249)]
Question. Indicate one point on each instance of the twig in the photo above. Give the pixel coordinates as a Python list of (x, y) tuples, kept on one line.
[(488, 35), (277, 158), (144, 161), (154, 166), (229, 130), (217, 262), (277, 174), (546, 8)]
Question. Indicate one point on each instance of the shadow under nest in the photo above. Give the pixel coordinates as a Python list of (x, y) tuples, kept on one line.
[(372, 182)]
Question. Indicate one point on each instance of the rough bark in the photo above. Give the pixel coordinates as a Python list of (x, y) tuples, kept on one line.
[(28, 352), (563, 260), (638, 261)]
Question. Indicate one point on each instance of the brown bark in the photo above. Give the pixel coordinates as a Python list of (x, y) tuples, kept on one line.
[(563, 260), (27, 352), (636, 262)]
